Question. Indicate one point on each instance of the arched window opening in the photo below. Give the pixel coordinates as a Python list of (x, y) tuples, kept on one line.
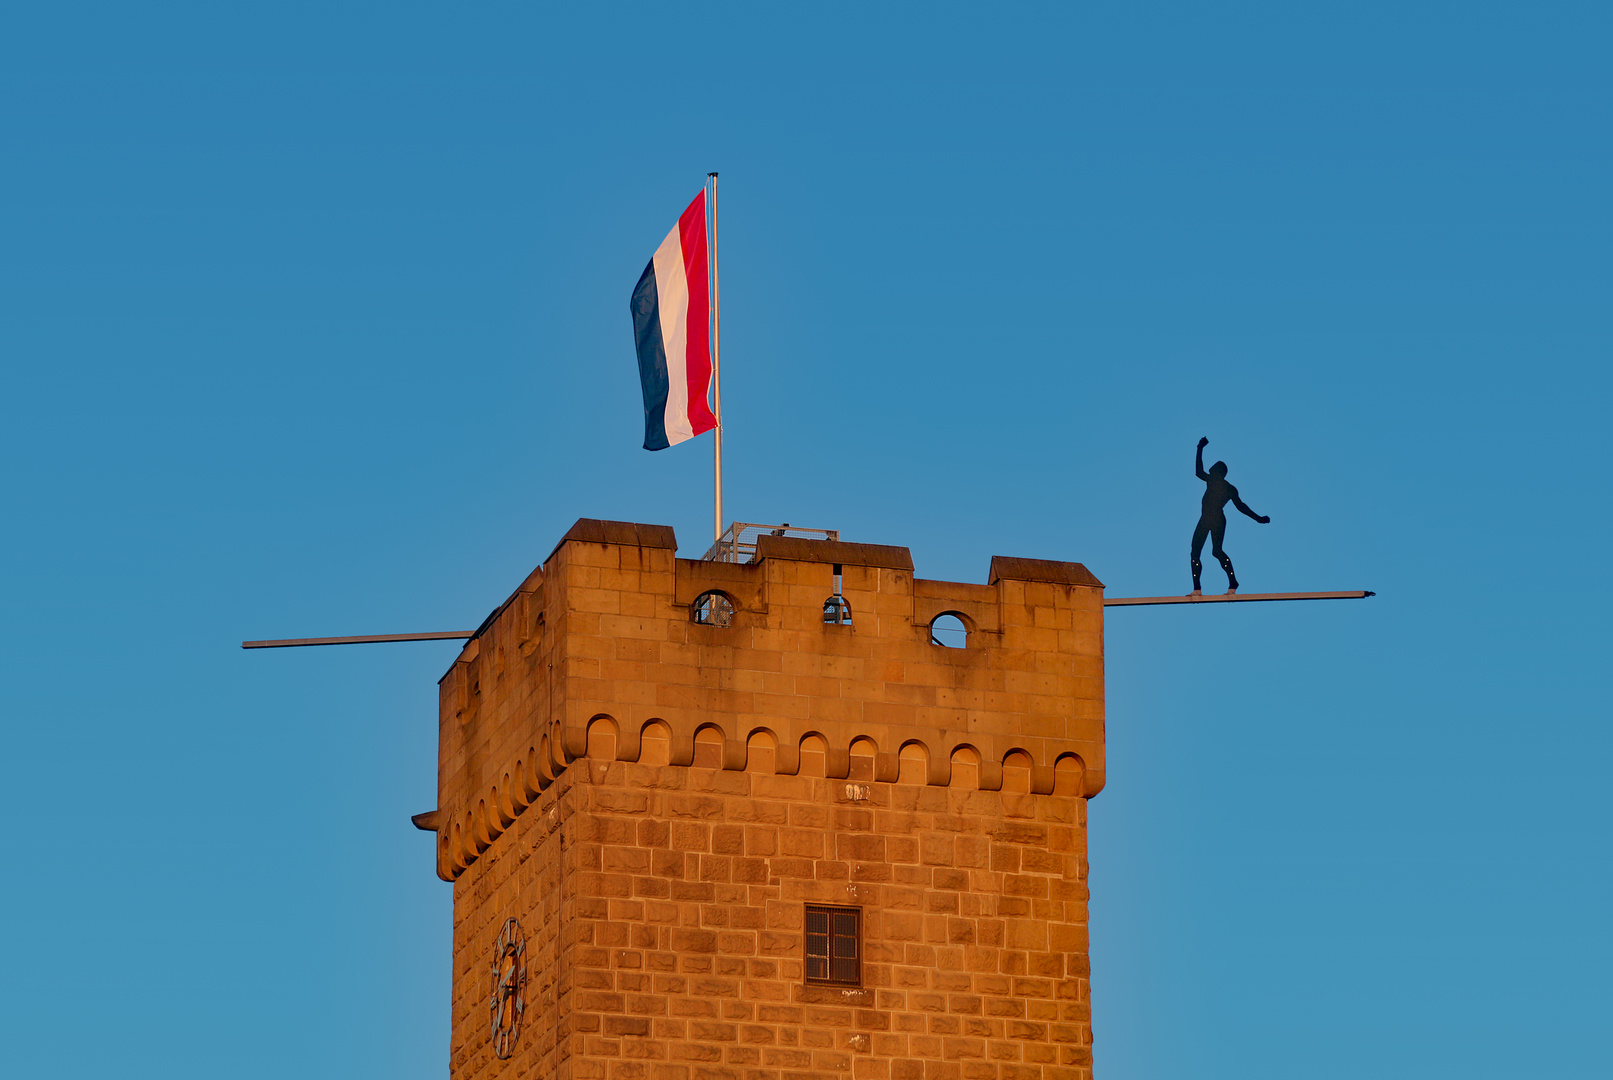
[(947, 630), (836, 612), (712, 609)]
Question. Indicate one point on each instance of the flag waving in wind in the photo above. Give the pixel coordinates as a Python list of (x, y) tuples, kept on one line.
[(671, 326)]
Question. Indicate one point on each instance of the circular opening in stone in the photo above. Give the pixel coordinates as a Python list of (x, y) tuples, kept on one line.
[(947, 630)]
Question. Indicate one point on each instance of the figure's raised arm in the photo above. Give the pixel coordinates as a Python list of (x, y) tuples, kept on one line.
[(1241, 505), (1198, 459)]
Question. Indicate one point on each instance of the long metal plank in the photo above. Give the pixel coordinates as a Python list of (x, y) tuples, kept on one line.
[(1108, 601), (288, 643), (1229, 598)]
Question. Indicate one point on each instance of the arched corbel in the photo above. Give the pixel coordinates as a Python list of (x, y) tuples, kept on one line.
[(532, 783), (761, 751), (1042, 779), (446, 869), (554, 759), (574, 742), (503, 804), (681, 751), (712, 747), (467, 840), (628, 743), (963, 767), (655, 742), (458, 856), (991, 775), (1069, 775), (836, 763), (887, 768), (787, 760)]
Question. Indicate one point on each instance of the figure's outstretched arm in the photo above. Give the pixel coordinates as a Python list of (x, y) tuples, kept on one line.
[(1241, 505), (1198, 459)]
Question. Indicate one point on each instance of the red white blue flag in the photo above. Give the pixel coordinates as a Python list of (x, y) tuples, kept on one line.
[(671, 327)]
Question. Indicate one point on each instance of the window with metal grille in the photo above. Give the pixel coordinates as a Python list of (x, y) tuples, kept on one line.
[(712, 609), (833, 954)]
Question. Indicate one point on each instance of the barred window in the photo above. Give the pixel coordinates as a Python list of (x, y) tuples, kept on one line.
[(833, 954), (712, 609)]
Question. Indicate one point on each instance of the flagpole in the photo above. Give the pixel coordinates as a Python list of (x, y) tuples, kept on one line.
[(716, 363)]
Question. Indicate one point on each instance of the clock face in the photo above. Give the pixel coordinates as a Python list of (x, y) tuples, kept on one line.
[(508, 1001)]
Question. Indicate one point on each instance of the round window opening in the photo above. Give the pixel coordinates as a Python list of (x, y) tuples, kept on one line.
[(949, 631), (712, 609)]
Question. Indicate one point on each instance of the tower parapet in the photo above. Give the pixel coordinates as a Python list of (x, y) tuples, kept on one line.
[(599, 654)]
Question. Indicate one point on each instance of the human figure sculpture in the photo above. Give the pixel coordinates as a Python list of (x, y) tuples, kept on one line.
[(1213, 519)]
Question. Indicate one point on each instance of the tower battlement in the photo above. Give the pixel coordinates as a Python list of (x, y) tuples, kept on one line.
[(598, 654)]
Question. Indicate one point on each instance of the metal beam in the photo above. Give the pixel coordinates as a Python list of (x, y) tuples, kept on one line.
[(1108, 601), (1226, 598), (288, 643)]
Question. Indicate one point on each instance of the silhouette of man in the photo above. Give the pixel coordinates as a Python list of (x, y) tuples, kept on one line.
[(1213, 519)]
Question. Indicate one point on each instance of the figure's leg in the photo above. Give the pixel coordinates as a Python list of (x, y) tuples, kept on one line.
[(1218, 532), (1199, 533)]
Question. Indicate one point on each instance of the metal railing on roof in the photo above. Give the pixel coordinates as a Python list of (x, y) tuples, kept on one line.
[(738, 544)]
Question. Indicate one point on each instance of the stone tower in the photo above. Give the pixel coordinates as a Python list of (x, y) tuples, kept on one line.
[(702, 825)]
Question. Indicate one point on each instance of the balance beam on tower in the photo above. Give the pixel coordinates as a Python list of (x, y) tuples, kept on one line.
[(1227, 598), (1108, 601), (368, 639)]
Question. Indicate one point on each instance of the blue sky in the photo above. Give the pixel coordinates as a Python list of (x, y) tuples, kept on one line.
[(314, 321)]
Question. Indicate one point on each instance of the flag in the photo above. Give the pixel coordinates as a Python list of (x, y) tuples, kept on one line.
[(671, 327)]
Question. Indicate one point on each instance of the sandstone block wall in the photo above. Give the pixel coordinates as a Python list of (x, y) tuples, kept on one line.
[(663, 912), (656, 800), (601, 635)]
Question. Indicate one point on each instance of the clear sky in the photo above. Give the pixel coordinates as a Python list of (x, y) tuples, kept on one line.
[(314, 321)]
